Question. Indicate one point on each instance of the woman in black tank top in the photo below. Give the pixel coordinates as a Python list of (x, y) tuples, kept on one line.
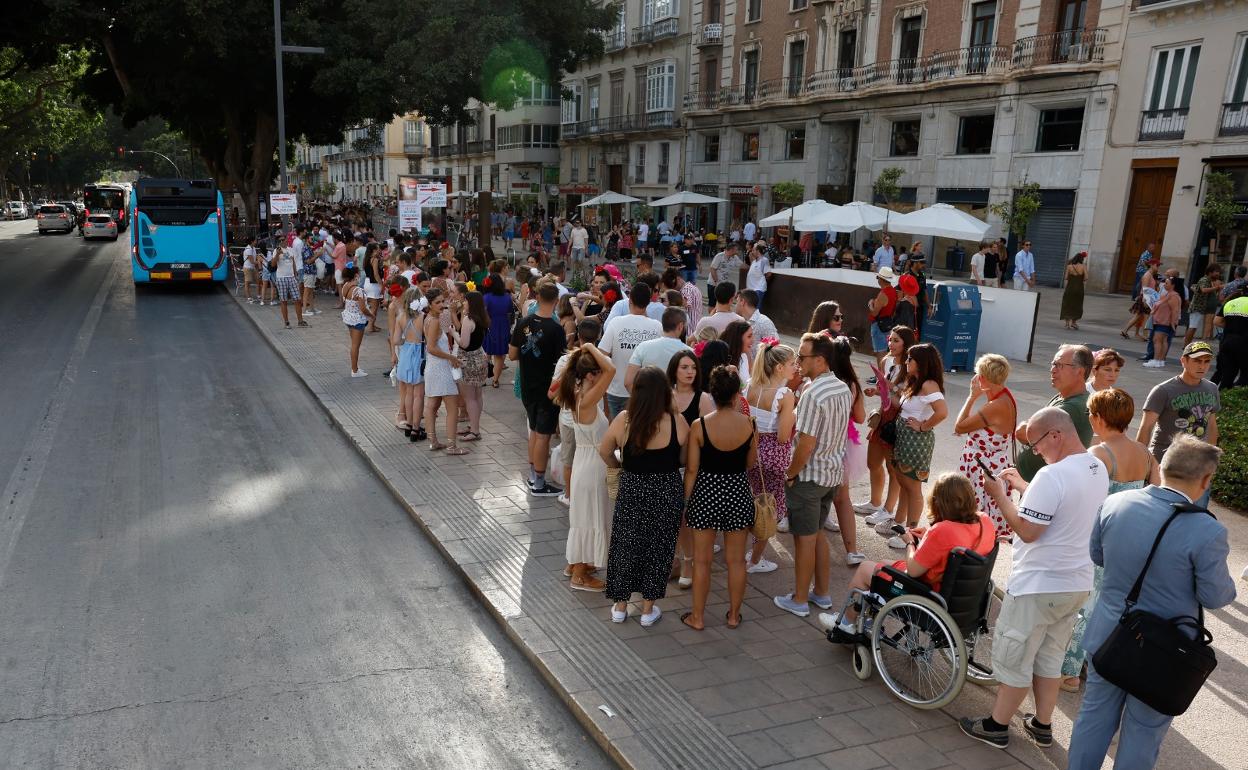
[(719, 493), (650, 498)]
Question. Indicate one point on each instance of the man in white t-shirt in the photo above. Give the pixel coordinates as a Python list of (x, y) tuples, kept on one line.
[(1051, 577), (249, 270), (659, 351), (621, 338), (580, 241), (643, 237), (722, 314), (750, 231), (759, 274), (977, 264)]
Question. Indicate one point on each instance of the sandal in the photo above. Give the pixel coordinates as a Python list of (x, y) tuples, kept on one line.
[(685, 619), (469, 436), (728, 619), (494, 383), (1066, 685), (434, 446), (456, 451), (1124, 335)]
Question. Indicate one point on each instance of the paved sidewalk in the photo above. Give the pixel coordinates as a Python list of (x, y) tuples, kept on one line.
[(773, 693)]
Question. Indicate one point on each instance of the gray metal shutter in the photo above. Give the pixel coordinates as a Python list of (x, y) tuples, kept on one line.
[(1049, 233)]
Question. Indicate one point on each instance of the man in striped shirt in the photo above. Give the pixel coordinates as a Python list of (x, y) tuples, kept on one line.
[(815, 471)]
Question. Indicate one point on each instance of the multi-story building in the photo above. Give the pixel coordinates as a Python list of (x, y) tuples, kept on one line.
[(512, 153), (970, 99), (1181, 112), (621, 117), (367, 163)]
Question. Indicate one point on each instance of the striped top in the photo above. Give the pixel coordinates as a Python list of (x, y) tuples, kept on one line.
[(823, 412)]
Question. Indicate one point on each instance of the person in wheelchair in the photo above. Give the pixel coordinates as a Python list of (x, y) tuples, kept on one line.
[(956, 522)]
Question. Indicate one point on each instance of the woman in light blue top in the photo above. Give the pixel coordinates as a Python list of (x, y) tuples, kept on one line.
[(1131, 466)]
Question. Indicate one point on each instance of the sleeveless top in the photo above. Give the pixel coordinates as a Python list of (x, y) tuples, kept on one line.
[(716, 460), (1119, 486), (768, 419), (664, 460), (691, 412), (476, 338)]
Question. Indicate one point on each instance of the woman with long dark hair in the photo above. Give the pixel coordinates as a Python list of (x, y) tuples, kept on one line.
[(473, 324), (739, 336), (356, 315), (723, 445), (372, 282), (855, 450), (1072, 295), (499, 307), (923, 407), (691, 402), (651, 495), (827, 317), (884, 488)]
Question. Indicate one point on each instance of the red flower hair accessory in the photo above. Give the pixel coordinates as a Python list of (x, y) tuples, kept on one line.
[(698, 348), (395, 290), (770, 342), (611, 296)]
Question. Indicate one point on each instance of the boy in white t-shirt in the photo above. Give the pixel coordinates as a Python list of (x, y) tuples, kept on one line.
[(1051, 577), (249, 270)]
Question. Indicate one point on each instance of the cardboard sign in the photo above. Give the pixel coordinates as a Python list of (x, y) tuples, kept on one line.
[(283, 203), (431, 195), (409, 215)]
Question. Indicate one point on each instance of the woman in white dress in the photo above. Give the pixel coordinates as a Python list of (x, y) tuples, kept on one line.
[(581, 388), (441, 367)]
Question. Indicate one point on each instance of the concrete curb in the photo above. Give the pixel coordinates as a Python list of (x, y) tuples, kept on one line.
[(634, 754)]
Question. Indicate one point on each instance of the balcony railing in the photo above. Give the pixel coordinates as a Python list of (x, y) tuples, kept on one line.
[(414, 148), (1073, 46), (445, 150), (1234, 119), (657, 31), (615, 40), (1080, 46), (711, 34), (480, 147), (620, 124), (1163, 124)]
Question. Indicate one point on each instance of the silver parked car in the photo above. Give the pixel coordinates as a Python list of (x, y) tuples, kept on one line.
[(53, 216)]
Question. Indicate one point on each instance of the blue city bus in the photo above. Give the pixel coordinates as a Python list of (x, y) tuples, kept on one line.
[(178, 231)]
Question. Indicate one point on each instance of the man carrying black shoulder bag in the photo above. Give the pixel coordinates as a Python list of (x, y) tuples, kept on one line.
[(1165, 561)]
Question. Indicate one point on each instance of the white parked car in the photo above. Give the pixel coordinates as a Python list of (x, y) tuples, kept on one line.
[(16, 210), (99, 226)]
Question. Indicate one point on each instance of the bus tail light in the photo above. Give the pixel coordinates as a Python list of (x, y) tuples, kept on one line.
[(201, 275)]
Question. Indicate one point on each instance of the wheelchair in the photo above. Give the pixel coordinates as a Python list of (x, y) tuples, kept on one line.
[(926, 644)]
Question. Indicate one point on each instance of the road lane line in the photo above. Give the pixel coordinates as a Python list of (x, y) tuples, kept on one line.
[(19, 492)]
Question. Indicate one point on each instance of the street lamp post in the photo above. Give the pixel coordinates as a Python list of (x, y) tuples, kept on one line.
[(278, 50), (161, 154)]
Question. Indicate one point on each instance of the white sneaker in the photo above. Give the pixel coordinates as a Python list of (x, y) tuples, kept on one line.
[(865, 509), (563, 499), (360, 373), (886, 527), (854, 558), (1154, 364), (783, 525), (880, 515), (833, 620), (896, 542), (831, 524), (763, 566)]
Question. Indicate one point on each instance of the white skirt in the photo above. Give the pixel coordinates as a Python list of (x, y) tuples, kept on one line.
[(372, 290)]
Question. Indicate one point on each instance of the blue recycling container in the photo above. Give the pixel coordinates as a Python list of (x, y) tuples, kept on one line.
[(952, 323)]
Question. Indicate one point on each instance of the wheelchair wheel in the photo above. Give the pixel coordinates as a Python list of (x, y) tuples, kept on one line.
[(862, 662), (919, 651), (979, 643)]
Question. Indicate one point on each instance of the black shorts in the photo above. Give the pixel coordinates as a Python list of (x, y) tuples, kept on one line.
[(543, 415)]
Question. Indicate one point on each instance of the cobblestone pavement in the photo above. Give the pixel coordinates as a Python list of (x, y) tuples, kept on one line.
[(774, 692)]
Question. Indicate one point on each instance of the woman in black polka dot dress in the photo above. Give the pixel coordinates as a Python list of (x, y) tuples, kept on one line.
[(722, 446), (651, 438)]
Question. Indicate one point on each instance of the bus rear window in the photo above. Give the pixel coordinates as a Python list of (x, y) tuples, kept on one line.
[(181, 213)]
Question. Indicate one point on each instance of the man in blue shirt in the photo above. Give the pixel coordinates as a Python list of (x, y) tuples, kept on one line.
[(1024, 268), (884, 255), (1187, 572)]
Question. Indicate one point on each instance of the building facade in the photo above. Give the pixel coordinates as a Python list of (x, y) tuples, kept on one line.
[(1181, 112), (512, 153), (621, 118), (971, 99), (366, 164)]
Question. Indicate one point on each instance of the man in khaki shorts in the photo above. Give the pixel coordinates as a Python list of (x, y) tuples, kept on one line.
[(1051, 577)]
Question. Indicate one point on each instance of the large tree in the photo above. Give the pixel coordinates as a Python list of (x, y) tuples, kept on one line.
[(207, 68)]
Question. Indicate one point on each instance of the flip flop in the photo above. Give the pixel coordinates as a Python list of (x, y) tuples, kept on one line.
[(685, 619), (456, 451)]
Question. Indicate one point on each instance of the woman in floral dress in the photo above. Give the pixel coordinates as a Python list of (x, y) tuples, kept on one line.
[(989, 431)]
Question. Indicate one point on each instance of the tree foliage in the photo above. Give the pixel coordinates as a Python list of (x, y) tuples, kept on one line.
[(788, 192), (207, 68), (1018, 211), (887, 184), (1220, 208)]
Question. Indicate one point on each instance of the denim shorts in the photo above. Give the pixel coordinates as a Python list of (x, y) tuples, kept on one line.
[(360, 327), (1166, 330), (879, 339)]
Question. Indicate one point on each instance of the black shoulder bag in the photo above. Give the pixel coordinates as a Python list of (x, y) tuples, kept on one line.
[(1151, 657)]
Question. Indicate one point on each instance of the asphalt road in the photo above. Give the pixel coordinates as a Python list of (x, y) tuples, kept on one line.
[(197, 571)]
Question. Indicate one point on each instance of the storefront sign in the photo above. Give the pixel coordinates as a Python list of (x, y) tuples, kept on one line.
[(578, 189), (744, 189), (706, 189)]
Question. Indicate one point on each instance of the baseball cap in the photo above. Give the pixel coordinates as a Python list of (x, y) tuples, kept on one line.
[(1198, 349)]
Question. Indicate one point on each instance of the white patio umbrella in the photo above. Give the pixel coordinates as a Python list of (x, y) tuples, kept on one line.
[(847, 219), (941, 220), (809, 211), (686, 198), (609, 198)]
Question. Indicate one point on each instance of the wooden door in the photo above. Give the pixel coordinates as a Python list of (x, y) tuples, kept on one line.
[(1148, 208)]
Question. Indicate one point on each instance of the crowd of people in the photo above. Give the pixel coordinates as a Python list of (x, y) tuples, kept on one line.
[(682, 420)]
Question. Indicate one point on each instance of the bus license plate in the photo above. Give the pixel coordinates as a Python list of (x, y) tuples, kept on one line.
[(181, 266)]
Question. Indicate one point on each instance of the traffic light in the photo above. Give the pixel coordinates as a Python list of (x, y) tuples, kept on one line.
[(121, 152)]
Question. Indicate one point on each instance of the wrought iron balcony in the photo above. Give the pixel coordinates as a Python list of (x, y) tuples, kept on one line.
[(1234, 119), (709, 35), (1163, 124), (620, 124), (413, 148), (656, 31), (1073, 46), (614, 40)]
